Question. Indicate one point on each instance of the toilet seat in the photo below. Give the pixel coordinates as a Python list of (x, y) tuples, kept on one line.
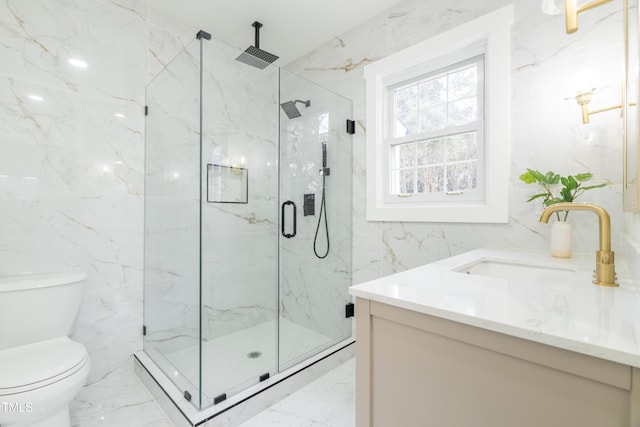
[(36, 365)]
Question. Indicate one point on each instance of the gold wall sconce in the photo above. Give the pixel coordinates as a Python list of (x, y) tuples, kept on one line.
[(572, 10), (583, 100)]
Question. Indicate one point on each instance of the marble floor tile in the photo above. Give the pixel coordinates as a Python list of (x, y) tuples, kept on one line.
[(124, 402), (327, 402)]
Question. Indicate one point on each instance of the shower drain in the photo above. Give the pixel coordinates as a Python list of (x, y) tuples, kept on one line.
[(254, 355)]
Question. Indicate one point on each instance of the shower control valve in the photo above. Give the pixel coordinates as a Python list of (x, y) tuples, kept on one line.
[(325, 171)]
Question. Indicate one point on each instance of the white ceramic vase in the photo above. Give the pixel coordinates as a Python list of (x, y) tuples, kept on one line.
[(561, 239)]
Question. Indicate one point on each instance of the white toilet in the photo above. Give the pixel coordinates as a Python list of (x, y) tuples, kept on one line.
[(41, 369)]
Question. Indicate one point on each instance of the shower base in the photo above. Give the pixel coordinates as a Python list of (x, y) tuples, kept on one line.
[(236, 360), (232, 363)]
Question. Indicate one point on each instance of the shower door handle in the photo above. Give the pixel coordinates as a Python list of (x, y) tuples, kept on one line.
[(295, 219)]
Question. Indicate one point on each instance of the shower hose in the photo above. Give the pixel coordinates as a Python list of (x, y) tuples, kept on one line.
[(323, 211)]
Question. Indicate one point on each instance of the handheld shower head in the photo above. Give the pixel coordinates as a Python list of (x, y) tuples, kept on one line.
[(291, 110), (324, 171), (324, 154)]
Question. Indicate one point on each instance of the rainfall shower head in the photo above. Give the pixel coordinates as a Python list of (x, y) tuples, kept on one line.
[(255, 56), (291, 110)]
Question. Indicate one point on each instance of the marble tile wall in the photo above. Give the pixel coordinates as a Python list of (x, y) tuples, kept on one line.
[(172, 208), (239, 241), (313, 291), (631, 247), (546, 129), (72, 168)]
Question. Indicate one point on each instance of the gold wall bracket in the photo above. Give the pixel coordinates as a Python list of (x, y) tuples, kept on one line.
[(583, 99), (572, 11)]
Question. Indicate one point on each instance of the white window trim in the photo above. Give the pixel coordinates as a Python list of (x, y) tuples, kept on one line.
[(494, 29)]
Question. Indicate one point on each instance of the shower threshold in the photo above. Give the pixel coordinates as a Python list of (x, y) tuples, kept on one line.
[(247, 403)]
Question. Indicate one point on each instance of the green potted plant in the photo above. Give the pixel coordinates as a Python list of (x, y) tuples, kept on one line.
[(570, 188)]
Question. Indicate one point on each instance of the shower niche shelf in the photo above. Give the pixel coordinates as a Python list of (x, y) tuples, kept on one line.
[(227, 184)]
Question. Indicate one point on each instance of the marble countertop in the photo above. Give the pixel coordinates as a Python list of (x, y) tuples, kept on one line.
[(572, 314)]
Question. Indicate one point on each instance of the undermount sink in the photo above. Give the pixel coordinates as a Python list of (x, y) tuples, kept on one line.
[(514, 270)]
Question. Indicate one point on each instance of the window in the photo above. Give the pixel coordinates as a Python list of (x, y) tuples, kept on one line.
[(438, 147), (436, 134)]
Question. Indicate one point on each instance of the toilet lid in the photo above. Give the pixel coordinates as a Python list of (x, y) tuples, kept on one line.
[(32, 281), (41, 361)]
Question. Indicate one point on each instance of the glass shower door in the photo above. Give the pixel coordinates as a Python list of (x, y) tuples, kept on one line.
[(239, 222), (315, 177)]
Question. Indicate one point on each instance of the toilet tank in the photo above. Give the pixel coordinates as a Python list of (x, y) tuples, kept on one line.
[(37, 307)]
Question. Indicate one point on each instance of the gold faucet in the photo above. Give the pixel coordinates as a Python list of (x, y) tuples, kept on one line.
[(605, 273)]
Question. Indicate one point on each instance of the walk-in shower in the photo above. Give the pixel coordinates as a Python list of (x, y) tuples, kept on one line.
[(229, 301)]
